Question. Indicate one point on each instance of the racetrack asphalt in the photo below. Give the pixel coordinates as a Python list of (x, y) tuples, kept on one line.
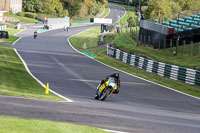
[(140, 106)]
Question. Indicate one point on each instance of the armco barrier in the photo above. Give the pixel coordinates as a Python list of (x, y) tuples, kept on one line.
[(185, 75)]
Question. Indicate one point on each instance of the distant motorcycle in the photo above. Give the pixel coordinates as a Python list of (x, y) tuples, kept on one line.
[(35, 34), (106, 89)]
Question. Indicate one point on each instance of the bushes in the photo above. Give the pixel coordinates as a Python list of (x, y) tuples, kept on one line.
[(27, 14), (22, 14), (30, 15)]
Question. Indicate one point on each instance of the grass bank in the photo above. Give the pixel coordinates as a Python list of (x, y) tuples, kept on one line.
[(89, 38), (12, 38), (22, 19), (19, 125), (121, 39), (15, 80)]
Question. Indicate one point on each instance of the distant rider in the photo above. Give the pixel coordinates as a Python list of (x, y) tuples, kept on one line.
[(35, 34)]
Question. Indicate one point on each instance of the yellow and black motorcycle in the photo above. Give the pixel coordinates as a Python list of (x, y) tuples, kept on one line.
[(106, 88)]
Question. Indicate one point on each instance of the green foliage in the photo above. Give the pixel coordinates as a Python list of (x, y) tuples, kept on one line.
[(73, 6), (166, 7), (131, 22), (157, 8), (22, 14), (32, 6), (30, 15), (62, 8)]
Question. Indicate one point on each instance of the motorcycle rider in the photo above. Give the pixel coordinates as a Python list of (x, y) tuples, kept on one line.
[(35, 34), (117, 79)]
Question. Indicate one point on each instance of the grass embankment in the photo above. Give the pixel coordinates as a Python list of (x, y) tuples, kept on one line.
[(12, 38), (22, 19), (19, 125), (15, 80), (101, 56), (11, 28), (89, 37)]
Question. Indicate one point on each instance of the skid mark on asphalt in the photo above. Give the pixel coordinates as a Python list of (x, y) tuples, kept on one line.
[(97, 81)]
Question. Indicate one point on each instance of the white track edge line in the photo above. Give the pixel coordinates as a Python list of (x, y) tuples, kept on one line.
[(27, 69), (113, 131), (129, 73)]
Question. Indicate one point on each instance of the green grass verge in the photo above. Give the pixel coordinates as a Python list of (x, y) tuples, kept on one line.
[(131, 12), (22, 19), (88, 37), (19, 125), (101, 56), (15, 80), (12, 38), (9, 25)]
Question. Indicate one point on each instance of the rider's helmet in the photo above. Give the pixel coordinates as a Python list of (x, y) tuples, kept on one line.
[(116, 75)]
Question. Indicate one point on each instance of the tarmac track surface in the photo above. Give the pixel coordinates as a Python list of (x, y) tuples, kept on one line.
[(140, 106)]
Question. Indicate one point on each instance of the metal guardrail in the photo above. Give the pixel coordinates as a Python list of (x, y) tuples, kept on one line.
[(182, 74)]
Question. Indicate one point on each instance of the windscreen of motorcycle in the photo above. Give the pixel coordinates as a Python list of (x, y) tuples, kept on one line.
[(112, 82)]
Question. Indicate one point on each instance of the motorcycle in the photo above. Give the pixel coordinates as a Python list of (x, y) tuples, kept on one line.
[(106, 89), (34, 36)]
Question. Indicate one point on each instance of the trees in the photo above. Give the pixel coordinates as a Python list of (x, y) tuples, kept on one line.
[(73, 6), (53, 7), (157, 8), (164, 7), (131, 21), (32, 6), (63, 7)]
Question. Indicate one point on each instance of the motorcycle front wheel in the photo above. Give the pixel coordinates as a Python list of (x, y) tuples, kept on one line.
[(104, 94)]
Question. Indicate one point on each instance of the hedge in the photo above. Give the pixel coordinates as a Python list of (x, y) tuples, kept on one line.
[(27, 14)]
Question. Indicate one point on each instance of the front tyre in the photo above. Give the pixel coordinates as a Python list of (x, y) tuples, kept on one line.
[(105, 94), (96, 97)]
